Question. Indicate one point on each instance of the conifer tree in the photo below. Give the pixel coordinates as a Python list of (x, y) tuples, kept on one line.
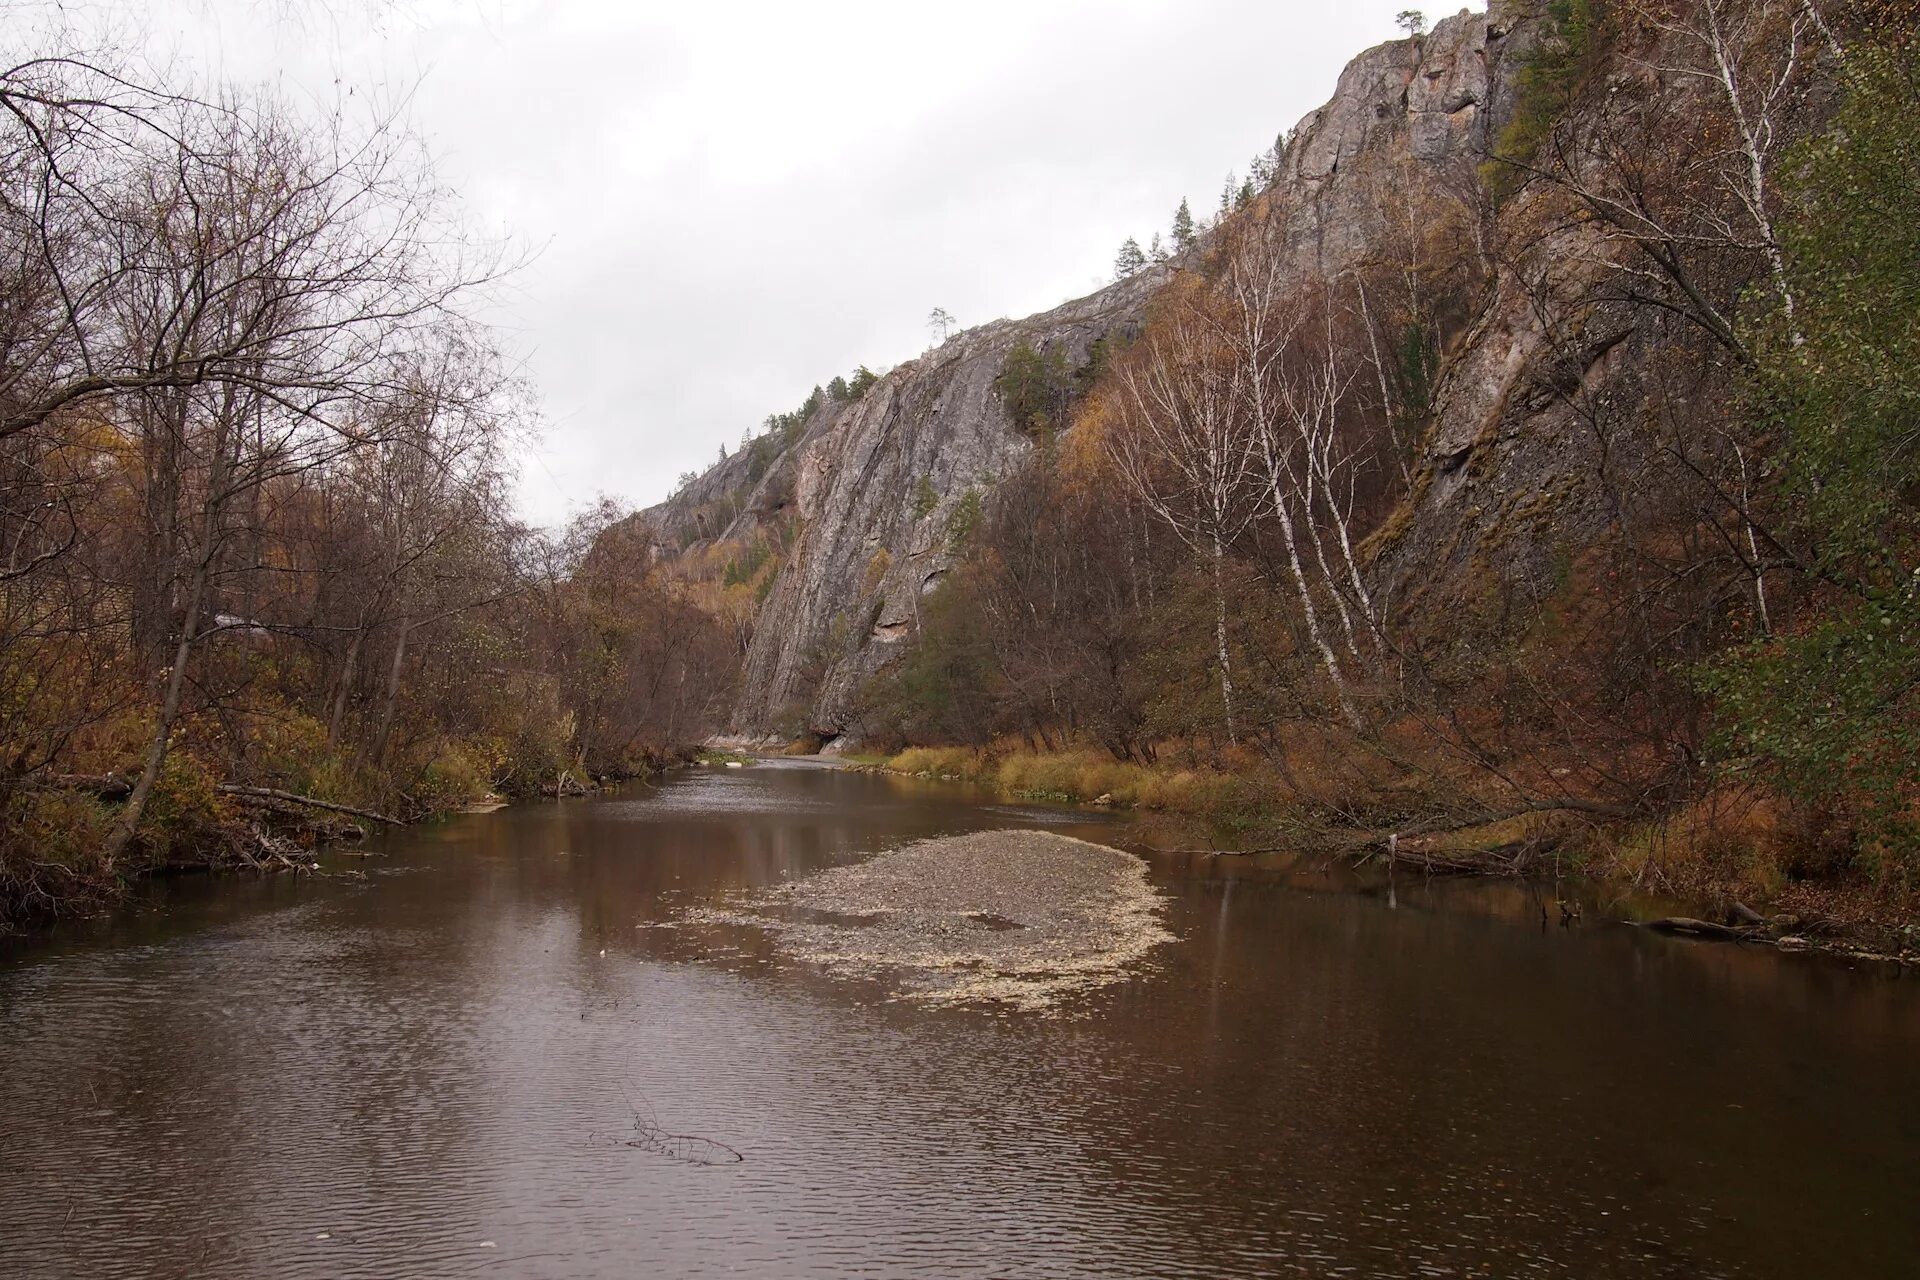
[(1130, 260), (1183, 234)]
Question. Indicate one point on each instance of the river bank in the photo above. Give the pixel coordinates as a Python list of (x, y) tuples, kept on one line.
[(1726, 893), (203, 825)]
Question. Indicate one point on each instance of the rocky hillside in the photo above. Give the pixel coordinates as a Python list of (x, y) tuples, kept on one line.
[(864, 497), (866, 501)]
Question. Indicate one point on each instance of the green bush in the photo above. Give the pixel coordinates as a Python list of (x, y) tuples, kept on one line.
[(185, 814), (1829, 711), (924, 498), (1551, 76), (50, 853), (1037, 389), (459, 773)]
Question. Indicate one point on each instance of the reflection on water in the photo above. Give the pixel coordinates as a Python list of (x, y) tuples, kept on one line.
[(438, 1071)]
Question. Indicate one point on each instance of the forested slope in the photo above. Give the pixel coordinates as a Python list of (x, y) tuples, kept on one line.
[(1534, 446)]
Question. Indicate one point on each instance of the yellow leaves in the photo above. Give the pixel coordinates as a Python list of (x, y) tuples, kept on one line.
[(877, 570)]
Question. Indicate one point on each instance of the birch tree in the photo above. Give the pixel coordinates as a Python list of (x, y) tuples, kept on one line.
[(1292, 382), (1187, 450)]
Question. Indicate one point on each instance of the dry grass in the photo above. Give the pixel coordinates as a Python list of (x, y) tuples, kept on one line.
[(1082, 776), (1733, 843), (1739, 842)]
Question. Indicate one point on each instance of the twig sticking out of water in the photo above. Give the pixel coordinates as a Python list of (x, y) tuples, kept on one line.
[(684, 1147)]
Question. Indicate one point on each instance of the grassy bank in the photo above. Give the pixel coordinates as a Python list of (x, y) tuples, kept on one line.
[(1732, 851), (1087, 777)]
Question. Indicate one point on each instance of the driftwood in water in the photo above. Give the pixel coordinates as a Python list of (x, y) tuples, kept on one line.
[(684, 1147), (1226, 853), (1509, 859), (271, 798), (1708, 929)]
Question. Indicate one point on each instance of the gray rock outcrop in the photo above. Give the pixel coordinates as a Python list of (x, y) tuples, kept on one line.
[(872, 489)]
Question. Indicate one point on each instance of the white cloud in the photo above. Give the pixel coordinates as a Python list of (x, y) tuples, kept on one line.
[(736, 200)]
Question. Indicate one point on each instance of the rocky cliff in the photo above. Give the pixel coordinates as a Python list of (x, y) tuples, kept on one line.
[(867, 498), (866, 495)]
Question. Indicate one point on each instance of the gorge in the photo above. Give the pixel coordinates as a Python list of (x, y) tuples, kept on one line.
[(1383, 740), (1469, 471)]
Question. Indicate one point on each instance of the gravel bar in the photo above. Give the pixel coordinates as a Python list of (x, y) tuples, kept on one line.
[(1026, 919)]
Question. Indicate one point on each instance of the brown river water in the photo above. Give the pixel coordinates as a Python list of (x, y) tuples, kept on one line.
[(437, 1071)]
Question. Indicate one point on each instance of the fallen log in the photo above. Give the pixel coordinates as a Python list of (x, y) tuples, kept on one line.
[(1510, 859), (1707, 929), (308, 802), (107, 786), (1225, 853), (1467, 865)]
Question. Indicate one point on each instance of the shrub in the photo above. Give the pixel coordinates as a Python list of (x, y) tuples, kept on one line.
[(459, 773), (288, 749), (1551, 75), (184, 814), (50, 854), (1827, 712), (877, 570), (925, 499)]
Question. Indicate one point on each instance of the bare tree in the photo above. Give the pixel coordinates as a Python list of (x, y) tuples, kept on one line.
[(1675, 171), (265, 285), (1186, 449), (940, 324), (1753, 54), (1291, 410)]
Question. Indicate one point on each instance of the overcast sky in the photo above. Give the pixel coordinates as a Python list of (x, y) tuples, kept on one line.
[(734, 200)]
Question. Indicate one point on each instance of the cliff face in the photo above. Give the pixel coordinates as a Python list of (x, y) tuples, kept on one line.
[(869, 547), (1543, 432), (869, 492)]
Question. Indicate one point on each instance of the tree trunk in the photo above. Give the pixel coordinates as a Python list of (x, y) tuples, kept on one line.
[(1328, 658), (219, 472), (1220, 637), (129, 821), (392, 699), (336, 718)]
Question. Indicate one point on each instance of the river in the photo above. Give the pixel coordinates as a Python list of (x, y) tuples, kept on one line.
[(436, 1071)]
